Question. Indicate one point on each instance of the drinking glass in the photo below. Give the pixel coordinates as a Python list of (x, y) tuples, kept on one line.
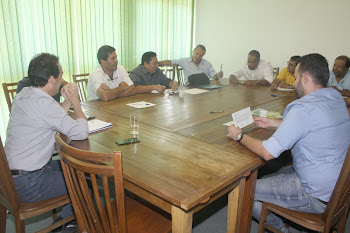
[(134, 124)]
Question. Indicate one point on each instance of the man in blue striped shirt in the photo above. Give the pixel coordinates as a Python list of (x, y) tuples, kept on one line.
[(316, 128)]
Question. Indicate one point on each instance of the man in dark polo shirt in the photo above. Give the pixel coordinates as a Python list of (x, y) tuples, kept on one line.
[(148, 77)]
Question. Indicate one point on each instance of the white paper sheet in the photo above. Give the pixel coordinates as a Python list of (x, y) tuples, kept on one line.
[(243, 117), (195, 91), (97, 125), (141, 104)]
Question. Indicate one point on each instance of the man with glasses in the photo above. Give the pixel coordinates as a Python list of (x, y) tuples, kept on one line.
[(285, 78), (255, 72), (148, 77)]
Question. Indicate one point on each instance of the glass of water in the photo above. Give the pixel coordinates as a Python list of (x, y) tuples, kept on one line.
[(134, 124)]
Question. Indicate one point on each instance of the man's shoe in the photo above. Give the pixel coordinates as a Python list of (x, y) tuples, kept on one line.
[(70, 227)]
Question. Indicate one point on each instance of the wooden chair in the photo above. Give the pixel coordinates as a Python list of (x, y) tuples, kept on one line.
[(276, 71), (82, 81), (9, 200), (10, 93), (334, 217), (169, 71), (180, 75), (120, 215)]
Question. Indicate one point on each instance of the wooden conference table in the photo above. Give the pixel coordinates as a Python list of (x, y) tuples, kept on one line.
[(185, 160)]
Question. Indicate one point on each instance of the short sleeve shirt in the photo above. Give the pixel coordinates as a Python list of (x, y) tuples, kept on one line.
[(98, 76), (263, 71)]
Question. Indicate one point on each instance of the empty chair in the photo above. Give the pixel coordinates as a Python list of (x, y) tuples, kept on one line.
[(334, 217), (82, 81), (120, 215), (10, 93), (9, 200)]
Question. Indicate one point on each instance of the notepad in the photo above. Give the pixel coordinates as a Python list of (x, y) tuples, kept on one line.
[(195, 91), (97, 125), (210, 86)]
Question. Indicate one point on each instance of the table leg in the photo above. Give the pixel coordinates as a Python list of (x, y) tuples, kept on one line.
[(181, 221), (247, 211), (234, 207)]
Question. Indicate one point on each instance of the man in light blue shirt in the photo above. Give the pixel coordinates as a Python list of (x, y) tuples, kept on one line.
[(195, 64), (316, 128), (339, 77)]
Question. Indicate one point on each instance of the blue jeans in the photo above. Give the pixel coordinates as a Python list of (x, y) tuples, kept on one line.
[(43, 184), (284, 189)]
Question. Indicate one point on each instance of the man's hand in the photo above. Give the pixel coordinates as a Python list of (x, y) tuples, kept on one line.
[(251, 82), (233, 79), (159, 88), (274, 84), (285, 85), (174, 85), (264, 122), (218, 75), (104, 86), (233, 131), (71, 92), (123, 85)]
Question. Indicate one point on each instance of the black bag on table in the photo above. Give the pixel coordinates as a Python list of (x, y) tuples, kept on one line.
[(196, 80)]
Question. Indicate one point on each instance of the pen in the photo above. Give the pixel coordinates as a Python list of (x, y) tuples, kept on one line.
[(217, 111), (221, 68)]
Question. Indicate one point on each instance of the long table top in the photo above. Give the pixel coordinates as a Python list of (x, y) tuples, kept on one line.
[(184, 155)]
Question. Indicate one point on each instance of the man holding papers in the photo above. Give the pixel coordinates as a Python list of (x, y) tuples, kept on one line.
[(35, 118), (316, 128), (109, 81)]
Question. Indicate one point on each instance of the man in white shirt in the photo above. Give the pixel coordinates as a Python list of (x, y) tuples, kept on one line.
[(255, 73), (109, 81)]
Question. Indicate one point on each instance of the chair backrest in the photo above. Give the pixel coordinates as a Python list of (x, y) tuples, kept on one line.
[(180, 75), (340, 200), (8, 194), (10, 93), (82, 81), (169, 71), (276, 71), (79, 166)]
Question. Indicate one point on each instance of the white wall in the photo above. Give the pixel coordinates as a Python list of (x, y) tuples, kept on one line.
[(278, 29)]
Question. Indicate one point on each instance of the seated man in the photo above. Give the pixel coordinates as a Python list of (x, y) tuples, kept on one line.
[(26, 83), (109, 81), (256, 72), (148, 77), (34, 121), (285, 78), (339, 77), (316, 128), (195, 64)]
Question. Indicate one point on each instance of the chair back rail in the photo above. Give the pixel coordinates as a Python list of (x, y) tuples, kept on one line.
[(169, 71), (90, 212), (180, 75), (82, 81), (10, 93)]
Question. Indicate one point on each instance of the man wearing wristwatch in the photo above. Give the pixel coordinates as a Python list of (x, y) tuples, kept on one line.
[(285, 78), (315, 128), (255, 72)]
